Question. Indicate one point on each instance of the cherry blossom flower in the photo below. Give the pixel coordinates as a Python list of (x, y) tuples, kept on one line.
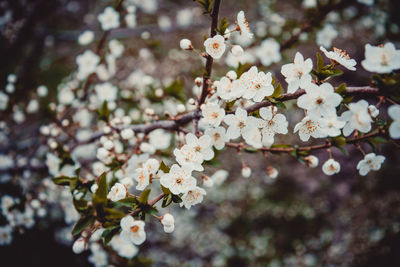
[(179, 179), (311, 161), (123, 246), (330, 167), (109, 19), (238, 122), (168, 222), (237, 50), (243, 25), (297, 74), (218, 136), (340, 57), (192, 197), (228, 89), (79, 245), (257, 85), (394, 129), (201, 145), (326, 36), (320, 100), (87, 64), (215, 46), (212, 114), (310, 126), (357, 118), (333, 125), (381, 59), (86, 37), (133, 229), (269, 52), (370, 162), (188, 155), (252, 136), (186, 44), (142, 178), (275, 124), (117, 192), (246, 171)]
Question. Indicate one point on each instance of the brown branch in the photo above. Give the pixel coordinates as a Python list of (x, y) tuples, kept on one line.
[(240, 146), (151, 203)]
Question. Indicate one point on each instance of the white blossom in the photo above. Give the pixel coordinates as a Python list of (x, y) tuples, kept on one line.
[(256, 85), (186, 44), (228, 89), (188, 155), (87, 64), (320, 100), (311, 161), (179, 179), (109, 19), (330, 167), (326, 36), (202, 145), (215, 46), (237, 122), (134, 229), (243, 25), (297, 74), (218, 136), (212, 114), (310, 126), (79, 245), (340, 57), (357, 118), (381, 59), (333, 125), (192, 197), (394, 129), (370, 162), (117, 192), (237, 50), (246, 171), (86, 37), (269, 52)]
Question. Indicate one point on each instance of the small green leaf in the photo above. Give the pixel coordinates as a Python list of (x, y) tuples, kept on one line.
[(64, 180), (109, 233), (167, 200), (339, 141), (111, 214), (144, 196), (277, 91), (82, 224), (164, 167), (223, 25), (127, 202), (320, 62), (280, 104), (176, 199), (104, 112), (80, 205), (100, 197), (341, 89), (165, 190)]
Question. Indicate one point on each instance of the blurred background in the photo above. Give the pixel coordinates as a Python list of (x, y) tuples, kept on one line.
[(301, 218)]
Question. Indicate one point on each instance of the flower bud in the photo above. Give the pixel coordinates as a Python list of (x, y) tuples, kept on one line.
[(127, 134), (272, 172), (198, 81), (79, 245), (168, 220), (181, 108), (186, 44), (237, 50), (231, 75), (311, 161), (373, 111), (246, 171)]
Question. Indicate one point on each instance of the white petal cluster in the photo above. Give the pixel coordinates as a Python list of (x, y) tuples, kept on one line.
[(357, 118), (87, 64), (243, 25), (269, 52), (212, 114), (168, 223), (215, 46), (381, 59), (192, 197), (256, 85), (394, 129), (133, 230), (371, 162), (331, 167), (109, 19), (297, 74), (218, 136), (340, 57), (143, 175), (275, 123), (310, 126), (117, 192), (179, 179), (320, 100)]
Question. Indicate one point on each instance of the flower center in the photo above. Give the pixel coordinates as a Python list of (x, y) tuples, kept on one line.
[(135, 229), (215, 45), (319, 101), (179, 181)]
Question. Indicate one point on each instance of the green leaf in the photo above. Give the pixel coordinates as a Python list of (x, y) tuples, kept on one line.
[(82, 224), (165, 190), (332, 72), (280, 104), (339, 141), (320, 62), (347, 99), (80, 205), (109, 233), (176, 198), (144, 196), (64, 180), (164, 167), (341, 89), (343, 150), (104, 112), (167, 200), (128, 202), (223, 25), (100, 197), (277, 91), (378, 140), (111, 214)]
